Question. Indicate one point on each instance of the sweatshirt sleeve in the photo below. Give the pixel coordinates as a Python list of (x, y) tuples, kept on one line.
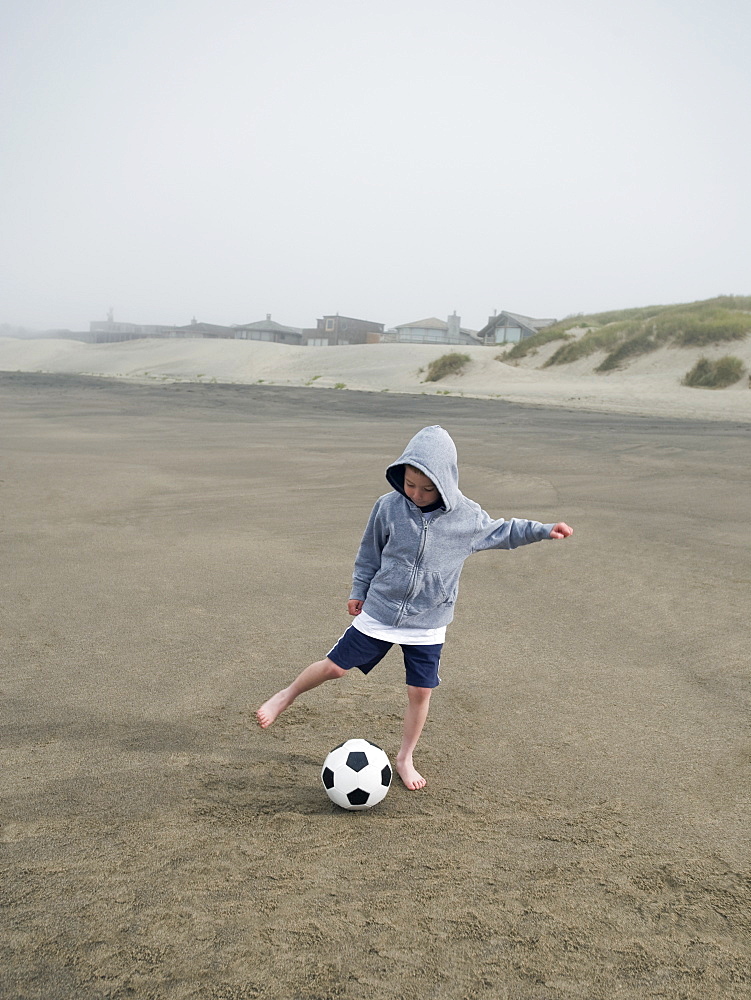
[(368, 559), (507, 534)]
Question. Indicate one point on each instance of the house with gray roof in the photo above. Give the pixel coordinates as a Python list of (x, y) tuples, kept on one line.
[(268, 330), (434, 331), (194, 329), (510, 328)]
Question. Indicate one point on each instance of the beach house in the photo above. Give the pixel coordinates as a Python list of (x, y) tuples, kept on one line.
[(433, 331), (269, 330), (509, 328), (332, 330)]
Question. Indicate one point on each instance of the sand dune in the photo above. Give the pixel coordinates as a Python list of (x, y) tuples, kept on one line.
[(650, 385)]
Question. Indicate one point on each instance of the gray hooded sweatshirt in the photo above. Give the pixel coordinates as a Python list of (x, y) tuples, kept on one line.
[(407, 568)]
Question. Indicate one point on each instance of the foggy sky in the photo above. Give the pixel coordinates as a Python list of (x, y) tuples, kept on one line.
[(389, 160)]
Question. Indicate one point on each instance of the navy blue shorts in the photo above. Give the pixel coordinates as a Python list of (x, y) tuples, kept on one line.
[(355, 649)]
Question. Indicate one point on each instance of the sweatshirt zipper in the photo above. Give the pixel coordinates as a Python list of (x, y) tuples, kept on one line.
[(413, 578)]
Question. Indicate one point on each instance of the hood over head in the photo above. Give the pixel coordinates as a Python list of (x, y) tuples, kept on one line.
[(433, 452)]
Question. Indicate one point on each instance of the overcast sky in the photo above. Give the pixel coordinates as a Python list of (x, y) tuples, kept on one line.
[(389, 160)]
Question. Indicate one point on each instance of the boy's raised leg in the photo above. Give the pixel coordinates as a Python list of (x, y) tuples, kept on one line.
[(418, 704), (311, 677)]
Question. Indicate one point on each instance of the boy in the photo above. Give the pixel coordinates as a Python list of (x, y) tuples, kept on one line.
[(406, 579)]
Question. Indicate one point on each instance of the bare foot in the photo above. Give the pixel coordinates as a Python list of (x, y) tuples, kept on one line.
[(273, 708), (409, 774)]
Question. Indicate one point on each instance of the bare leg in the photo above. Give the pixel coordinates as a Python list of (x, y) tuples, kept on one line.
[(414, 719), (311, 677)]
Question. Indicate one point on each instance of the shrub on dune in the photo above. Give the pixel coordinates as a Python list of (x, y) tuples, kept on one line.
[(717, 374), (447, 364)]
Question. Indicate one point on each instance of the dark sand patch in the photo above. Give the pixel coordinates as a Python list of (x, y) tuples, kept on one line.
[(173, 553)]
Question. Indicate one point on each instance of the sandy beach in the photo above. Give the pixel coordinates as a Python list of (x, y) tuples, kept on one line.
[(649, 385), (174, 551)]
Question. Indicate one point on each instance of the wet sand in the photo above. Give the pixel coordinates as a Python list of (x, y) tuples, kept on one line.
[(173, 554)]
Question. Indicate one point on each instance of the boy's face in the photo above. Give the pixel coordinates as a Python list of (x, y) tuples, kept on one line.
[(420, 490)]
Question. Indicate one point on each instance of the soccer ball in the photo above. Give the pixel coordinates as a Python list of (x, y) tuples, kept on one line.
[(356, 774)]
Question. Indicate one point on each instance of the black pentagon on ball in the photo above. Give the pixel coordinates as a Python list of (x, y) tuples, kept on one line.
[(357, 760), (386, 776), (327, 777), (358, 797)]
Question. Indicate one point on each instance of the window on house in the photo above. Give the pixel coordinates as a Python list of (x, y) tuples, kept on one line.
[(329, 325), (508, 335)]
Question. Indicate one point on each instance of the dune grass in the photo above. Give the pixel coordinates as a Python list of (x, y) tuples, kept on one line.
[(717, 374), (524, 347), (628, 333), (447, 364), (597, 339)]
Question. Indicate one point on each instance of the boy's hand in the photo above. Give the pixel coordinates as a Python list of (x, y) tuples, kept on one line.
[(355, 607), (561, 530)]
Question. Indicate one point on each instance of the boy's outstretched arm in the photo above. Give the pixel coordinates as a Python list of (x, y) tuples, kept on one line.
[(510, 534), (561, 530)]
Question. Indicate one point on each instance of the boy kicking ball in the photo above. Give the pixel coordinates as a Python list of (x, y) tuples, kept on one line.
[(406, 579)]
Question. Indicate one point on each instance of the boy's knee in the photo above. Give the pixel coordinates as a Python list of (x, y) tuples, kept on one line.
[(334, 670), (418, 693)]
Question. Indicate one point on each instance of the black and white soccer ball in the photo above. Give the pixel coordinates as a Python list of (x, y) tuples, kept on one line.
[(356, 774)]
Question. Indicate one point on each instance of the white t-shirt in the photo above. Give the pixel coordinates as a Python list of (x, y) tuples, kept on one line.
[(393, 633)]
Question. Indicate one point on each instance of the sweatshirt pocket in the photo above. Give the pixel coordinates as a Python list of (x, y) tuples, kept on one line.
[(430, 592)]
